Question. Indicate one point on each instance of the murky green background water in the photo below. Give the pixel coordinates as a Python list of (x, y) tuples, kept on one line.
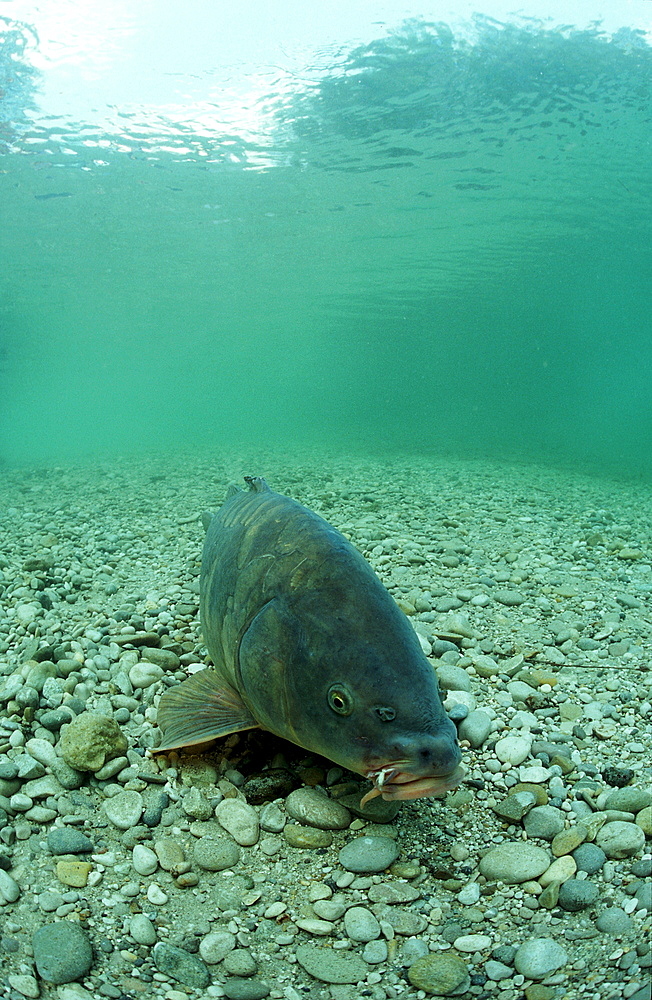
[(437, 239)]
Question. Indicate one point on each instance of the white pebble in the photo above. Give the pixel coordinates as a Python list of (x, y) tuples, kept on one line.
[(156, 895), (144, 860)]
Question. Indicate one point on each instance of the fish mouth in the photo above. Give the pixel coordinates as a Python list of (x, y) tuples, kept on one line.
[(394, 783)]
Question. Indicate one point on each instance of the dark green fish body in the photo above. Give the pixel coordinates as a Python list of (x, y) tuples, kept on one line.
[(308, 644)]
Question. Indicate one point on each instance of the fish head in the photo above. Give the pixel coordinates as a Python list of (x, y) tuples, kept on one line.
[(372, 708), (396, 734)]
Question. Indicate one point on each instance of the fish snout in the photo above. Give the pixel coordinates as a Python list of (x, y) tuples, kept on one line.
[(429, 755)]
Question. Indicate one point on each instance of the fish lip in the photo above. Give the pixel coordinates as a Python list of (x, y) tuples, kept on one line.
[(392, 782)]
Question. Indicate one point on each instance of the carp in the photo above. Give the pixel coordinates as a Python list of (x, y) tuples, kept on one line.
[(307, 643)]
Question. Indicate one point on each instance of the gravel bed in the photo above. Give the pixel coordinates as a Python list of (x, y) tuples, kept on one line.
[(250, 870)]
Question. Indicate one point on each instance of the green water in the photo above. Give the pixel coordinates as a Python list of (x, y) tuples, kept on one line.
[(434, 245)]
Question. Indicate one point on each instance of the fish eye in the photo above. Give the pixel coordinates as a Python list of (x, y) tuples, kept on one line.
[(385, 713), (340, 699)]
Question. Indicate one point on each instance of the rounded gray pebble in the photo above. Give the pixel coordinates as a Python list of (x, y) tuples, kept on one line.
[(360, 924), (576, 894), (539, 957), (375, 952), (181, 965), (142, 929), (368, 854), (475, 728), (307, 805), (614, 921), (216, 946), (67, 840), (124, 809), (589, 858), (628, 799), (214, 854), (331, 966), (544, 822), (497, 970), (413, 949), (514, 862), (62, 952), (245, 989), (239, 963), (619, 839), (510, 598)]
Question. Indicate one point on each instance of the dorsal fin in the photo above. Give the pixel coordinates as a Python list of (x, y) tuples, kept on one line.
[(257, 484)]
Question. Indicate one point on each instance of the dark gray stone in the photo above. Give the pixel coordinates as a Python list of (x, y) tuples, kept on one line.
[(68, 840), (181, 965), (576, 894), (589, 858)]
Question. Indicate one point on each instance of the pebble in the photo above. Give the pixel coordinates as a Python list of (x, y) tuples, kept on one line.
[(566, 841), (368, 854), (156, 895), (272, 818), (440, 975), (144, 674), (578, 894), (589, 858), (470, 894), (307, 805), (538, 958), (375, 952), (62, 952), (245, 989), (124, 809), (142, 929), (513, 749), (240, 820), (216, 946), (472, 942), (559, 871), (613, 920), (620, 840), (515, 806), (497, 970), (628, 799), (181, 965), (239, 962), (514, 862), (27, 986), (68, 840), (510, 598), (329, 966), (89, 739), (169, 854), (534, 774), (330, 909), (544, 822), (215, 854), (9, 888), (475, 728), (306, 837), (144, 860), (393, 892), (644, 820), (360, 924), (74, 873), (165, 658)]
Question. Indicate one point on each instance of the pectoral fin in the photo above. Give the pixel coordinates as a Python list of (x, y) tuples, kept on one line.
[(201, 709)]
